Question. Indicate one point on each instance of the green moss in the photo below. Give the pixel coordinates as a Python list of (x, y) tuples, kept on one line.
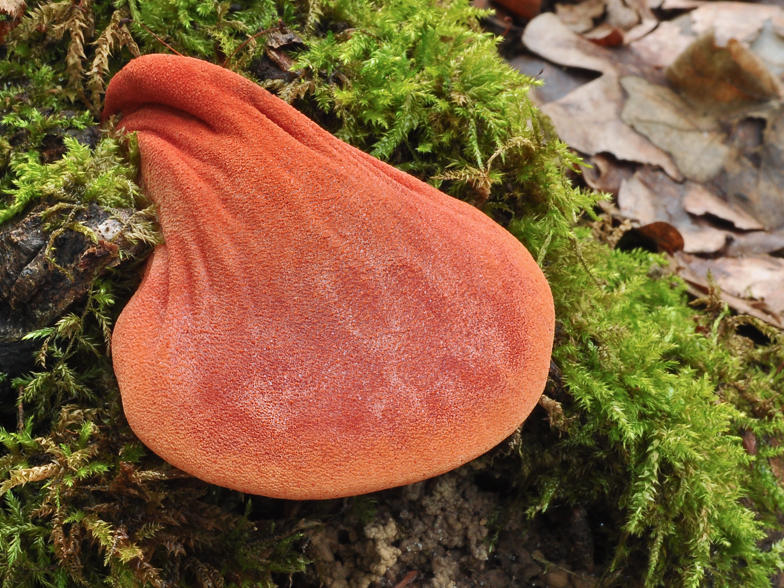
[(655, 393), (103, 175)]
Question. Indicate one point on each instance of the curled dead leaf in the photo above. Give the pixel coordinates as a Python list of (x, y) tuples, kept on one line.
[(650, 195), (656, 237), (526, 9), (605, 173), (605, 35)]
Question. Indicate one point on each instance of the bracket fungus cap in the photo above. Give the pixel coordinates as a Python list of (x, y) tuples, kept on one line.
[(318, 323)]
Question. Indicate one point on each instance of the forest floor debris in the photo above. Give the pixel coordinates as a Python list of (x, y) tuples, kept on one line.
[(682, 121)]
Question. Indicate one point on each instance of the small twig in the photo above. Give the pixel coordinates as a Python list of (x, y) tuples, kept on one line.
[(549, 564), (407, 579), (20, 409), (508, 21), (146, 28), (543, 249), (578, 253), (277, 27)]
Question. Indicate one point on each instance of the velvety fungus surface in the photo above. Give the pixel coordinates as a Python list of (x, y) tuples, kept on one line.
[(317, 324)]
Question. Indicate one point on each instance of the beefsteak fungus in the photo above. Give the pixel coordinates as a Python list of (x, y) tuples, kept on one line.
[(317, 324)]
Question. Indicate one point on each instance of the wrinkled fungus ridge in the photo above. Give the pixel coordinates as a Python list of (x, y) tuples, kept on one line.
[(317, 324)]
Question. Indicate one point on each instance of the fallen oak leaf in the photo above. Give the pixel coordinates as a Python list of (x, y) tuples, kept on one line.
[(640, 31), (769, 47), (756, 242), (621, 16), (681, 4)]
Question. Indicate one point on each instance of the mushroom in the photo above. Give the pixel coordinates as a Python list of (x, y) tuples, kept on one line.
[(318, 323)]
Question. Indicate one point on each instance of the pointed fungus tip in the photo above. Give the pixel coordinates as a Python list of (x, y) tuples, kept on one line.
[(317, 324)]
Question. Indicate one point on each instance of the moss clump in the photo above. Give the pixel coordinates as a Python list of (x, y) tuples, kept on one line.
[(646, 418)]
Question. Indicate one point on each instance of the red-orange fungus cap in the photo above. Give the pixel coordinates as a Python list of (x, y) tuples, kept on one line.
[(318, 324)]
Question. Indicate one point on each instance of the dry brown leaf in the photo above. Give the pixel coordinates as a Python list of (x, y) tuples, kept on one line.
[(640, 31), (722, 78), (633, 17), (558, 81), (605, 35), (637, 201), (700, 202), (651, 195), (754, 180), (580, 17), (642, 8), (523, 8), (694, 141), (659, 237), (589, 120), (757, 242), (741, 21), (682, 4), (758, 27), (698, 286), (769, 47), (704, 239), (605, 173), (621, 16), (758, 278), (548, 37), (663, 46)]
